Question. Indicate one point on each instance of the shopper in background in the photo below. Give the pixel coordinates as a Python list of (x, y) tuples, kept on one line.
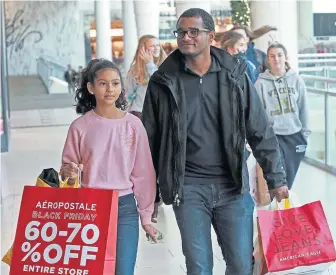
[(149, 55), (235, 44), (284, 97), (69, 76), (256, 56)]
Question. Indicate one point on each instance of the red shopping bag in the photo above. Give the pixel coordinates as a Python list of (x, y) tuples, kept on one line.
[(66, 231), (296, 237)]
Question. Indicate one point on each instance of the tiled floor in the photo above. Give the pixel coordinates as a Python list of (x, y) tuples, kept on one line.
[(42, 118), (33, 149)]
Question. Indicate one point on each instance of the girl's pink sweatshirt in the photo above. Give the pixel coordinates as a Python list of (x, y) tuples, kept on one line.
[(115, 154)]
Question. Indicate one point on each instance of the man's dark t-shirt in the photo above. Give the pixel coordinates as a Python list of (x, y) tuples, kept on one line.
[(205, 158)]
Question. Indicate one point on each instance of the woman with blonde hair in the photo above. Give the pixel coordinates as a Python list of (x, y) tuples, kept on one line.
[(149, 55)]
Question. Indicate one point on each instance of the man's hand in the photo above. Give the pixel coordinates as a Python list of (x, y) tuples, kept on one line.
[(280, 193), (155, 213)]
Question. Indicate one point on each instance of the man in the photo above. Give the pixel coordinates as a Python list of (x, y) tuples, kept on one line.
[(69, 78), (200, 107), (77, 74)]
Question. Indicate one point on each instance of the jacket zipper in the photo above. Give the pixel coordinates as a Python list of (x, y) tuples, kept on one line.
[(176, 197), (176, 187), (201, 88)]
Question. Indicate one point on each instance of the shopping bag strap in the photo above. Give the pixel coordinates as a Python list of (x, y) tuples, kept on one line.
[(67, 179), (62, 182), (286, 205), (79, 176)]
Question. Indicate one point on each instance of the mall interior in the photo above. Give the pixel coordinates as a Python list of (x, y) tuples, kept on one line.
[(39, 39)]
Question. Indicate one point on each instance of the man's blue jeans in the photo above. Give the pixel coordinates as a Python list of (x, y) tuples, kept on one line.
[(232, 218), (127, 236)]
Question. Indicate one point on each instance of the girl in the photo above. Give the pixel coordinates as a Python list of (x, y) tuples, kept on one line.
[(111, 147), (148, 57), (284, 97), (235, 44)]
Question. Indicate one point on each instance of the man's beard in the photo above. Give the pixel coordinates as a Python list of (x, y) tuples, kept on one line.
[(192, 54)]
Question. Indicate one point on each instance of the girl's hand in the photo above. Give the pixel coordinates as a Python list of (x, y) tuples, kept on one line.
[(70, 170), (146, 55), (150, 231)]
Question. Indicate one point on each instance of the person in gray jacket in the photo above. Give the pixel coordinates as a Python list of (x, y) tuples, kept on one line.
[(148, 57), (284, 97)]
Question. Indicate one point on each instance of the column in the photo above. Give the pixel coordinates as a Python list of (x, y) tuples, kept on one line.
[(130, 33), (182, 6), (4, 102), (280, 14), (103, 27), (147, 15), (305, 19)]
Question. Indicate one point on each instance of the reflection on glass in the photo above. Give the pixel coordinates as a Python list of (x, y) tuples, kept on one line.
[(316, 145), (332, 74), (1, 120), (1, 114), (332, 132)]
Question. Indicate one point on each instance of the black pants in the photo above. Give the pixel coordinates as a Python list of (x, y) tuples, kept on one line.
[(293, 149)]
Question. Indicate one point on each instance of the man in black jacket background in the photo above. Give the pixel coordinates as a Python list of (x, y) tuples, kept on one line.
[(200, 108)]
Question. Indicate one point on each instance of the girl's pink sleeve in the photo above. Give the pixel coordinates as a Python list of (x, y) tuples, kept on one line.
[(71, 151), (143, 177)]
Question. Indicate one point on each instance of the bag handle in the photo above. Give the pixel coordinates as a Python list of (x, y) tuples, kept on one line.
[(286, 206), (67, 179), (62, 182)]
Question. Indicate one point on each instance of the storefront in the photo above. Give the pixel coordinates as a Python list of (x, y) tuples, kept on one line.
[(117, 34), (168, 19), (4, 102)]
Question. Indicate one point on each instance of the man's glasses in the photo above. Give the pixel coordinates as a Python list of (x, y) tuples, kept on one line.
[(192, 33)]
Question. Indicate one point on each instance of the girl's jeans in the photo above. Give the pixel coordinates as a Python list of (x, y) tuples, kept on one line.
[(127, 236)]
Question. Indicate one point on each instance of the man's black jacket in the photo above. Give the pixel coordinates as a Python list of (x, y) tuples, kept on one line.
[(242, 117)]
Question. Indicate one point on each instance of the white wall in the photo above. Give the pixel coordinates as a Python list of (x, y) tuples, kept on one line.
[(324, 6), (283, 15), (43, 28)]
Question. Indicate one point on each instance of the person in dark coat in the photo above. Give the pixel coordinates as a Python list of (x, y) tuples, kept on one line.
[(199, 110)]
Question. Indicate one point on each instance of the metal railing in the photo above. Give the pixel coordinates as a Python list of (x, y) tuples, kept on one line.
[(324, 63), (318, 64), (322, 105), (47, 68)]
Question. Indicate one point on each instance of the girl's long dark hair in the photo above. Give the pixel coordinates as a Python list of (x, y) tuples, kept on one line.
[(85, 101)]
